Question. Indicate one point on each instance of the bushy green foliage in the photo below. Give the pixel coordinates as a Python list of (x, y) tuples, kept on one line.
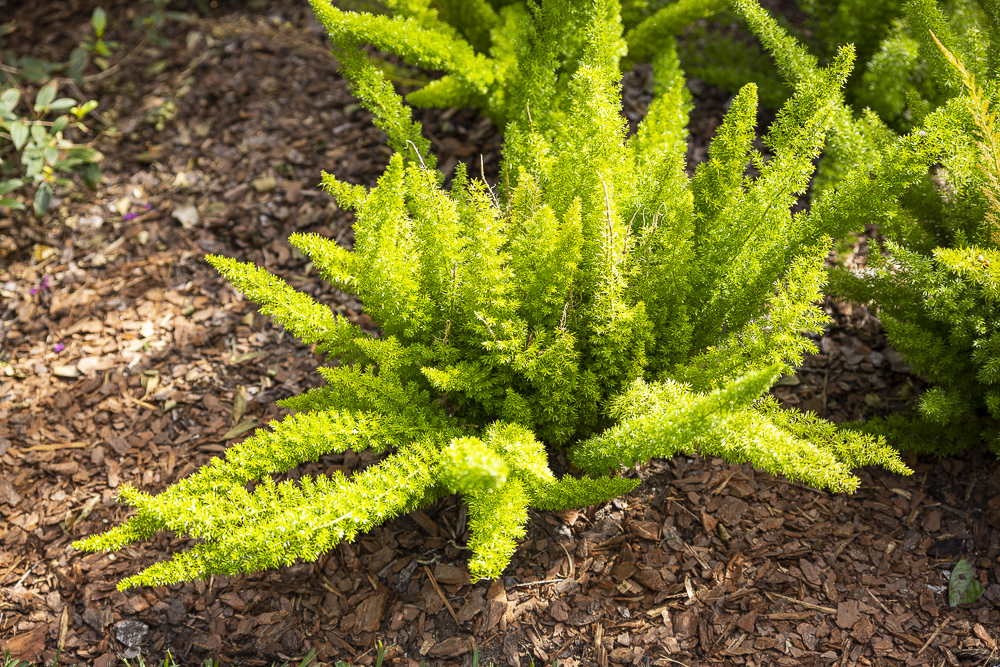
[(934, 194), (597, 300), (475, 43), (901, 74), (937, 287)]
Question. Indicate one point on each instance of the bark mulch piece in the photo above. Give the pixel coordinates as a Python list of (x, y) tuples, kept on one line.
[(129, 360)]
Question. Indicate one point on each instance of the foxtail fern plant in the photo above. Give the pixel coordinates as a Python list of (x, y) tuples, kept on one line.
[(902, 75), (934, 194), (936, 283), (596, 300), (475, 43)]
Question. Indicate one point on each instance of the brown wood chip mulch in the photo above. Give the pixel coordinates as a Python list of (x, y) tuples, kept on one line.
[(127, 359)]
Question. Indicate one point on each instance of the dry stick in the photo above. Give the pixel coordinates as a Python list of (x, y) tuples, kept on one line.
[(419, 156), (563, 647), (117, 66), (843, 545), (25, 575), (61, 445), (884, 608), (132, 399), (674, 501), (539, 583), (434, 583), (725, 482), (11, 569), (325, 583), (569, 559), (845, 652), (63, 627), (807, 605), (696, 556), (934, 635)]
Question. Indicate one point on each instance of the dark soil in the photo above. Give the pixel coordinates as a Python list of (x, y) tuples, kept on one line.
[(127, 359)]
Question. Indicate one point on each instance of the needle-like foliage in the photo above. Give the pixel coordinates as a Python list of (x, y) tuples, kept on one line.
[(937, 285), (492, 29), (934, 193), (597, 300)]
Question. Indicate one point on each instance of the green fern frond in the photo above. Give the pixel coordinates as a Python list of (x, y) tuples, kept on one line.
[(496, 522), (294, 310)]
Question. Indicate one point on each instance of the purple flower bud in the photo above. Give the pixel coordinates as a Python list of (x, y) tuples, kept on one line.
[(59, 347), (129, 216), (44, 286)]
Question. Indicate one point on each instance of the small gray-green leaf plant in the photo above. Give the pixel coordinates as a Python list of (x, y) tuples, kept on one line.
[(598, 300), (40, 140)]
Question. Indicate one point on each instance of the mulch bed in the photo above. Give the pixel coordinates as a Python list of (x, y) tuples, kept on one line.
[(129, 360)]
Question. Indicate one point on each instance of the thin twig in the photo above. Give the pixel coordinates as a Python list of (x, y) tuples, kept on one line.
[(11, 569), (563, 647), (118, 65), (807, 605), (539, 583), (56, 447), (417, 151), (569, 559), (934, 635), (25, 575), (697, 557), (434, 583), (133, 399), (874, 597), (725, 482), (676, 662)]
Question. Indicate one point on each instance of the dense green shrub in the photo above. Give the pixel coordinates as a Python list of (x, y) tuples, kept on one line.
[(932, 192), (901, 73), (936, 283), (484, 66), (597, 300)]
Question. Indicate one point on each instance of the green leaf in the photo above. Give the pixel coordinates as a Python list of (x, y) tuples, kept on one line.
[(45, 95), (39, 134), (77, 62), (91, 175), (51, 154), (11, 203), (62, 104), (34, 70), (10, 184), (80, 112), (241, 428), (83, 153), (18, 134), (100, 21), (42, 198), (9, 99), (60, 124), (32, 164), (963, 587)]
